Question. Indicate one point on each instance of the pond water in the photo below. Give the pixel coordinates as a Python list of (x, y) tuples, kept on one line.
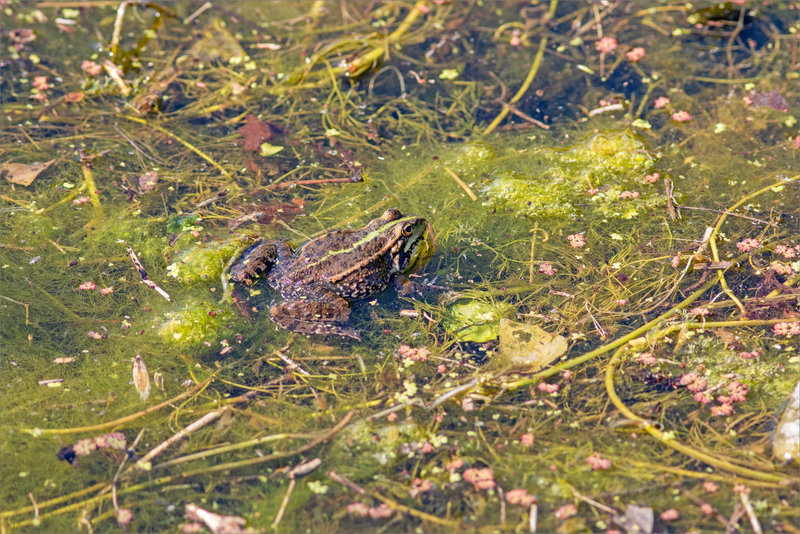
[(600, 333)]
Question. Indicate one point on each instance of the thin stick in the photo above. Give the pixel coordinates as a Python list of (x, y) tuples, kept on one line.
[(188, 145), (702, 474), (259, 460), (229, 448), (115, 36), (760, 221), (751, 515), (144, 462), (284, 503), (56, 500), (394, 505), (533, 250), (115, 73), (91, 187), (128, 418), (525, 116), (525, 85), (35, 508), (26, 306), (352, 486), (197, 13), (463, 185), (319, 181), (452, 393), (143, 273)]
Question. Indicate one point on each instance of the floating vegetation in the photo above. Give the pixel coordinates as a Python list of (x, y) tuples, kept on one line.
[(195, 322), (610, 172), (475, 320), (601, 337), (203, 262)]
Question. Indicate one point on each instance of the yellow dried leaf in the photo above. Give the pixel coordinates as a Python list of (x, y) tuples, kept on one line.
[(23, 173), (529, 345)]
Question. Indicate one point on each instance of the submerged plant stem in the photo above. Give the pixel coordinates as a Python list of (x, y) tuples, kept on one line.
[(122, 420), (713, 238), (537, 61), (185, 143), (680, 447), (91, 187), (614, 344)]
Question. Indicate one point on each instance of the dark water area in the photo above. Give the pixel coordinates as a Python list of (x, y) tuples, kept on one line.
[(433, 266)]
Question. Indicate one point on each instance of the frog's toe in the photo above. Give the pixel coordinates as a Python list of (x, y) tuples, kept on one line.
[(315, 327), (313, 317)]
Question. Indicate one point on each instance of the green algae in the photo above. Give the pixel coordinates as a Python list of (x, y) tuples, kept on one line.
[(609, 171), (203, 262), (196, 322), (475, 320), (404, 140)]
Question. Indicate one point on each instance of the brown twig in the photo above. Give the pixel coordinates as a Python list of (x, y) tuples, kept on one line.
[(127, 418), (312, 182), (144, 461), (461, 183), (143, 273), (352, 486)]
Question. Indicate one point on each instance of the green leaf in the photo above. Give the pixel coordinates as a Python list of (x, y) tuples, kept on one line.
[(270, 150)]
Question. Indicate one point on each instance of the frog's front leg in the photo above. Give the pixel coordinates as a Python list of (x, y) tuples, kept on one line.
[(317, 316), (259, 259), (409, 288)]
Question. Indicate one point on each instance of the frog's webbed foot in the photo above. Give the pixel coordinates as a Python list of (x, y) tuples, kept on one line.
[(409, 288), (314, 316), (258, 259)]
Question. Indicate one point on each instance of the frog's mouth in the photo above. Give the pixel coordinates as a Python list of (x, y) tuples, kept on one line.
[(419, 248)]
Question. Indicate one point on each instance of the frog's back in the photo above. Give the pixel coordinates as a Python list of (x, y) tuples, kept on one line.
[(319, 247)]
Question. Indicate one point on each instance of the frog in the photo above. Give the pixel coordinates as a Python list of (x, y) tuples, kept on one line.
[(319, 279)]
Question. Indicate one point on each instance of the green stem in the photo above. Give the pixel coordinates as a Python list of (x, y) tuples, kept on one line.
[(117, 422), (665, 439), (614, 344), (187, 144), (537, 61)]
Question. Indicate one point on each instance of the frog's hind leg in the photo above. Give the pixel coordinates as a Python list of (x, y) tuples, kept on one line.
[(259, 259), (323, 315)]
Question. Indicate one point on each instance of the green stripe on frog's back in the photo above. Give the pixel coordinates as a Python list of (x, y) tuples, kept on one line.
[(363, 241)]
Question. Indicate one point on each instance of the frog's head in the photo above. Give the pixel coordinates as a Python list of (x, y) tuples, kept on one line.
[(410, 238)]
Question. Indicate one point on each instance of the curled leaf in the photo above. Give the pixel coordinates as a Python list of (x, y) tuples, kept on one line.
[(140, 378), (786, 440)]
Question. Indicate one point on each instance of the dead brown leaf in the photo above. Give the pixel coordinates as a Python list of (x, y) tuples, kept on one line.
[(770, 99), (148, 181), (255, 132), (268, 213), (23, 173), (73, 97)]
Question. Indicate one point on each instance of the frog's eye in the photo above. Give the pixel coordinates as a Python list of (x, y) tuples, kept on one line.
[(408, 229)]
